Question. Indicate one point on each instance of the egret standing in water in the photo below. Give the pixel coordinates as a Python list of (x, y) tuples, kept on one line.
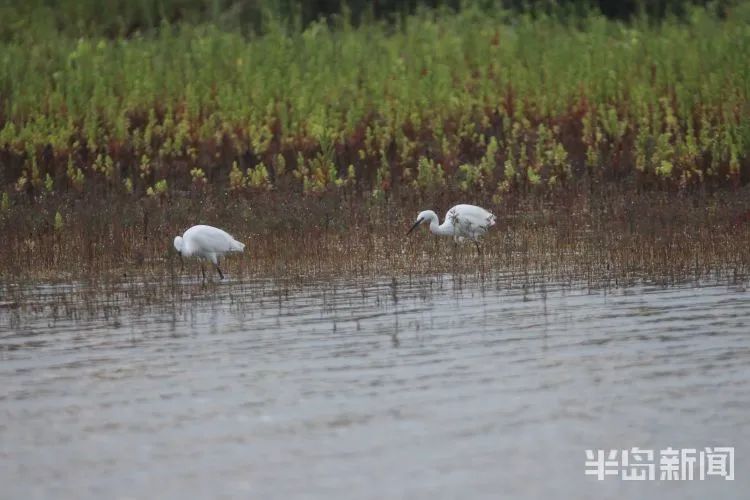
[(207, 242), (461, 222)]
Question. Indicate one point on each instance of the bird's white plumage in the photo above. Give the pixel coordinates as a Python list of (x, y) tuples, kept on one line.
[(461, 222), (207, 242)]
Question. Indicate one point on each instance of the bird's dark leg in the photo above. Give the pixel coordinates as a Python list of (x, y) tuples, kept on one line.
[(479, 252), (221, 275), (203, 270)]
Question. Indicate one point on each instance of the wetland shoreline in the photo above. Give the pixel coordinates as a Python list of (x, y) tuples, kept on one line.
[(661, 236)]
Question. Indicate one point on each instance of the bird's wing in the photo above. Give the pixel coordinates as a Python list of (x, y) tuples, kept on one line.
[(211, 239), (478, 216), (452, 216), (470, 219), (462, 225)]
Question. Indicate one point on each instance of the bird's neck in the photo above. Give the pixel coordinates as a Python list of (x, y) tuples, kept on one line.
[(187, 250), (444, 229)]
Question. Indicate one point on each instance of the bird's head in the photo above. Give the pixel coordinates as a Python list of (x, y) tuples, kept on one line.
[(427, 215), (178, 245)]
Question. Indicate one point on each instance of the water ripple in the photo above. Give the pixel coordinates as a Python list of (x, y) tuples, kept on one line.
[(346, 389)]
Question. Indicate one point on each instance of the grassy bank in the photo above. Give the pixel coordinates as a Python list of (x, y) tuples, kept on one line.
[(594, 240), (308, 143), (469, 102)]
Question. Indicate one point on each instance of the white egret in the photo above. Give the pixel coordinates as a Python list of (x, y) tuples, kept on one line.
[(461, 222), (206, 242)]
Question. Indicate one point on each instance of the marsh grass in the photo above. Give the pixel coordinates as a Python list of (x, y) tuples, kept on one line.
[(481, 102), (594, 239), (591, 244)]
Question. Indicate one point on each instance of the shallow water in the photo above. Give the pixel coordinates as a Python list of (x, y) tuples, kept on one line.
[(406, 388)]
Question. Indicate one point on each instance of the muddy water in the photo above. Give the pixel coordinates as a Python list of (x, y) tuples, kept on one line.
[(423, 388)]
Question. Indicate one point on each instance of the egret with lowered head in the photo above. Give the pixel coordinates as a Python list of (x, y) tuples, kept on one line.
[(207, 242), (461, 222)]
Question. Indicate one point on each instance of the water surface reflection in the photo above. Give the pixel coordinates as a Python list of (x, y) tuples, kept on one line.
[(429, 387)]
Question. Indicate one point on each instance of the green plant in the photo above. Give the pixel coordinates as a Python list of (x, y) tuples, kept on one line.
[(58, 223), (5, 203), (49, 183), (158, 189), (258, 178), (237, 179), (198, 177), (430, 176), (505, 105)]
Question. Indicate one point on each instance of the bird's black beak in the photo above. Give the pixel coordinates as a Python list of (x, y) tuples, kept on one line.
[(419, 221), (182, 262)]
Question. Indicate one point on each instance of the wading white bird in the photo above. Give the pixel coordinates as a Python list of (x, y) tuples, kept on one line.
[(206, 242), (461, 222)]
